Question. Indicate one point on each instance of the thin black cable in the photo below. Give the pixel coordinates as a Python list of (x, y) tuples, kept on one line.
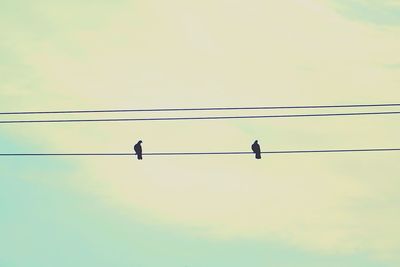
[(202, 153), (198, 109), (202, 118)]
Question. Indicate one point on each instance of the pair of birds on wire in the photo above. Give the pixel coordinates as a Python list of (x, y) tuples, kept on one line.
[(139, 151)]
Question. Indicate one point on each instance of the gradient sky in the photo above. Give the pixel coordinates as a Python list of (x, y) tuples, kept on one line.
[(217, 211)]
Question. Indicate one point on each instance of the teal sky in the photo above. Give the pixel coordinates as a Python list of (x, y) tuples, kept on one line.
[(372, 11), (336, 210)]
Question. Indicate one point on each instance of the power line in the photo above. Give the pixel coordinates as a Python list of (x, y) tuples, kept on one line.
[(201, 153), (197, 109), (201, 118)]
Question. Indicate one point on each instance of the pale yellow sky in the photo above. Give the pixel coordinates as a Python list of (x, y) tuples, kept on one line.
[(223, 53)]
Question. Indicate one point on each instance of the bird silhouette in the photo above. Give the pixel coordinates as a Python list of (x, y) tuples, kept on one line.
[(138, 150), (256, 149)]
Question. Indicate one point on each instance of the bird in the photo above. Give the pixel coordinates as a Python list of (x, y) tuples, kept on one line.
[(138, 150), (256, 149)]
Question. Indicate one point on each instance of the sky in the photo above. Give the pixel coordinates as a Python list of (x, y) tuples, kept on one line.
[(284, 210)]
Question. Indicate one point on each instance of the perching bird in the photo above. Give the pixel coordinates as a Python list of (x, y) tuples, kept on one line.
[(256, 149), (138, 150)]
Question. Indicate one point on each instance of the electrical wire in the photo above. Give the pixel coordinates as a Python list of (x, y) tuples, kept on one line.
[(199, 109), (200, 118), (201, 153)]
